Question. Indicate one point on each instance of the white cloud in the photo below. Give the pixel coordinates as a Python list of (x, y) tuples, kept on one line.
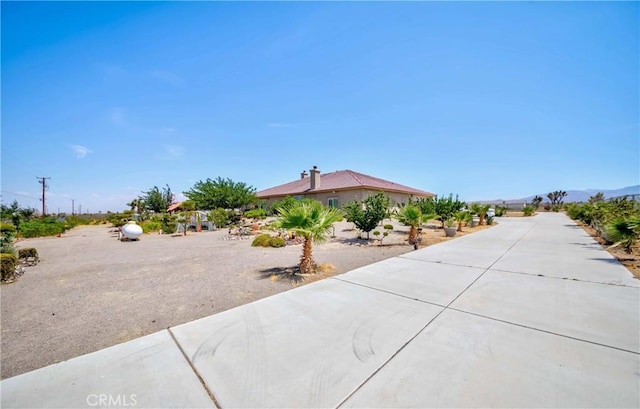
[(80, 151), (168, 77)]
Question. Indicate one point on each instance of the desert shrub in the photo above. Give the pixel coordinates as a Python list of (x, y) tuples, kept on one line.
[(600, 215), (262, 240), (388, 226), (7, 235), (277, 242), (444, 207), (43, 227), (8, 264), (489, 220), (500, 211), (28, 255), (119, 219), (75, 220), (218, 217), (528, 210), (579, 212), (255, 214), (151, 226), (27, 252)]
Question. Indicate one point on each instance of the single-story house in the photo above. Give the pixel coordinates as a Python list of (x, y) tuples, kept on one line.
[(337, 188)]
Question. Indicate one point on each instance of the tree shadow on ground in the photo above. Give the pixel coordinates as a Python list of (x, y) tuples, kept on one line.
[(291, 275), (353, 241), (287, 274)]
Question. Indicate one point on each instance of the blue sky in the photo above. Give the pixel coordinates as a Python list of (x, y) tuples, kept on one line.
[(488, 100)]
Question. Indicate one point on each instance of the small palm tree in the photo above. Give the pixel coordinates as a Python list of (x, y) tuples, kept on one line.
[(310, 220), (461, 217), (481, 211), (624, 232), (411, 215)]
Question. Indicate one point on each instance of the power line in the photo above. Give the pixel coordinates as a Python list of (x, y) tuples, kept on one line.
[(20, 194), (44, 185)]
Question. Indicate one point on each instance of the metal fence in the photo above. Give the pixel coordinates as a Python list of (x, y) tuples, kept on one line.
[(633, 198)]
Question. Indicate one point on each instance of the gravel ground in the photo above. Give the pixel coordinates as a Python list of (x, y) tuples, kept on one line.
[(91, 291)]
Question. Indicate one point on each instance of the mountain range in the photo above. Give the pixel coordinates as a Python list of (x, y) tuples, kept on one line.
[(577, 195)]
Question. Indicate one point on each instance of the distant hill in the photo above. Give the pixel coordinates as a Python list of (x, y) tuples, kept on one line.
[(577, 195)]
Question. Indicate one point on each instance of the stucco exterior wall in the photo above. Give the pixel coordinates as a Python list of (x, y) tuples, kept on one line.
[(344, 196)]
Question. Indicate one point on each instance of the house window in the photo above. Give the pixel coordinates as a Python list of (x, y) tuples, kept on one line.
[(333, 202)]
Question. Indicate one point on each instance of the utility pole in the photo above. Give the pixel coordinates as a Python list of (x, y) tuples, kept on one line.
[(44, 186), (80, 211), (73, 206)]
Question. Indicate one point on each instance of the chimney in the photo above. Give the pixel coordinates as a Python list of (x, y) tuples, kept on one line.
[(315, 178), (303, 174)]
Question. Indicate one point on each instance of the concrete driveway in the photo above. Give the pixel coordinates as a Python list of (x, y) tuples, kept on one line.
[(531, 313)]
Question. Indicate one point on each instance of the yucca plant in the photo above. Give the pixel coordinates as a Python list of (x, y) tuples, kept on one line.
[(624, 232)]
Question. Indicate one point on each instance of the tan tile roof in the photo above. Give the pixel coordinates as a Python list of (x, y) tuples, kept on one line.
[(339, 180)]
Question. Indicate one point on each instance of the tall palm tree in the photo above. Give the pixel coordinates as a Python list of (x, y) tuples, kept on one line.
[(310, 220), (412, 216)]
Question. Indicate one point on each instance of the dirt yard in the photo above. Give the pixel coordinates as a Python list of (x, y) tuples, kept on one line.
[(91, 291)]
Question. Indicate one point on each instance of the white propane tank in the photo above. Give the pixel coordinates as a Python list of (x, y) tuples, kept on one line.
[(131, 230)]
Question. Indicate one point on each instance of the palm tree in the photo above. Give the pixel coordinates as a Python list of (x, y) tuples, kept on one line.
[(624, 232), (481, 211), (310, 220), (412, 216), (461, 217)]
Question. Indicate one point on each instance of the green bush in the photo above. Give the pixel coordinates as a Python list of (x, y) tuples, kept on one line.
[(7, 235), (218, 217), (500, 211), (599, 215), (8, 264), (255, 214), (277, 242), (43, 227), (119, 219), (27, 252), (528, 210), (151, 226), (262, 240), (76, 220)]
